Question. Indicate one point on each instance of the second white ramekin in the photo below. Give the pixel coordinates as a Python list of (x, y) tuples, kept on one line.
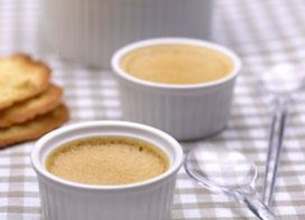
[(184, 111), (65, 200)]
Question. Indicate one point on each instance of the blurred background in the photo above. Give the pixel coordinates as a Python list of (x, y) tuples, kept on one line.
[(249, 27)]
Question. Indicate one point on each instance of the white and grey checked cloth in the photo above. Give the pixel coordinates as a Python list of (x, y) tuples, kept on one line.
[(262, 32)]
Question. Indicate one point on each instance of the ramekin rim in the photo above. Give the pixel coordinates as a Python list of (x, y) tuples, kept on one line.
[(118, 71), (38, 167)]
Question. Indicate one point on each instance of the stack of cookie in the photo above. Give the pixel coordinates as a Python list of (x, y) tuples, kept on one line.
[(30, 105)]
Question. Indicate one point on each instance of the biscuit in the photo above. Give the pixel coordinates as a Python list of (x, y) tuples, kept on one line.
[(28, 109), (34, 129), (21, 78)]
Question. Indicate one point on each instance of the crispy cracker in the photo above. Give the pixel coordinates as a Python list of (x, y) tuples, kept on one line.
[(34, 129), (21, 78), (28, 109)]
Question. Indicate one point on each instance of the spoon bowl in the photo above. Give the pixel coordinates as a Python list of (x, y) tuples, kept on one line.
[(219, 170), (228, 172), (283, 79)]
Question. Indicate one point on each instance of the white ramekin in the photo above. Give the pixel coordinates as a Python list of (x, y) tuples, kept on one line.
[(150, 200), (90, 31), (184, 111)]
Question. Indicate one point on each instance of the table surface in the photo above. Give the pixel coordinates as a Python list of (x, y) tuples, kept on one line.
[(262, 32)]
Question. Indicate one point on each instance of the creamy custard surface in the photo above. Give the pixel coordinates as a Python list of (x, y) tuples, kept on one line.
[(177, 64), (107, 161)]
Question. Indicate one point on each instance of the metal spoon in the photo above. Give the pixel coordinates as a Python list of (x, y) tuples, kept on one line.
[(228, 172), (281, 82)]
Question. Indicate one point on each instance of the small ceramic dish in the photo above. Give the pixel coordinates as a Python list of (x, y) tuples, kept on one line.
[(150, 200), (184, 111)]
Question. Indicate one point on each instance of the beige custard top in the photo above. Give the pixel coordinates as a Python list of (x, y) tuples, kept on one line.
[(107, 161), (177, 64)]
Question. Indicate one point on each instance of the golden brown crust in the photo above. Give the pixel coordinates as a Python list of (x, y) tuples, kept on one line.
[(34, 129), (28, 109), (21, 78)]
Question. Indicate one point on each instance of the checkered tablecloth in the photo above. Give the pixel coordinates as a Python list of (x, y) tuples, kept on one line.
[(262, 32)]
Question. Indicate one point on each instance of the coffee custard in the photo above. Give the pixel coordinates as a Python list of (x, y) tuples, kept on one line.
[(177, 64), (107, 161)]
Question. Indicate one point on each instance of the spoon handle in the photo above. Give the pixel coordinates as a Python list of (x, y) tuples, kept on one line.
[(274, 151), (258, 208)]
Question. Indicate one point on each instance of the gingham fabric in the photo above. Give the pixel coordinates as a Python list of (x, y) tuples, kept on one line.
[(262, 32)]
